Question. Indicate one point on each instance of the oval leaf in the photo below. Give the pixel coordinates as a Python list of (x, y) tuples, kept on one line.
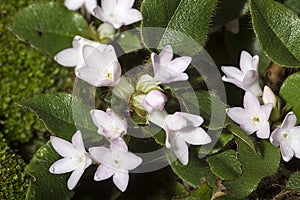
[(63, 114), (294, 182), (277, 28), (290, 92), (181, 20), (48, 26), (225, 165)]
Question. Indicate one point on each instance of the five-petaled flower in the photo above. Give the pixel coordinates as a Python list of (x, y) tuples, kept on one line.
[(109, 124), (117, 12), (72, 57), (246, 78), (253, 117), (287, 136), (102, 68), (167, 70), (75, 159), (76, 4), (115, 161), (181, 129)]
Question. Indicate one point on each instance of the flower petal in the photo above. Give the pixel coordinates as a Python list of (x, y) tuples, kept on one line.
[(289, 121), (155, 99), (63, 147), (266, 110), (158, 118), (233, 73), (74, 178), (251, 102), (73, 5), (195, 136), (98, 11), (246, 61), (62, 166), (120, 143), (166, 55), (180, 120), (121, 179), (103, 172), (238, 115), (131, 161), (251, 82), (101, 155), (90, 5), (108, 5), (180, 149), (180, 64), (276, 137), (89, 75), (125, 4), (168, 75), (233, 81), (263, 131), (78, 142), (67, 57), (286, 151), (132, 16), (268, 96)]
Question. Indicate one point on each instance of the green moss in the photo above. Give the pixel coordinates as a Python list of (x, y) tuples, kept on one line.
[(13, 182), (24, 72)]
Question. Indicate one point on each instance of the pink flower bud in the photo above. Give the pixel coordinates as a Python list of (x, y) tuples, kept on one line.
[(154, 100), (269, 96)]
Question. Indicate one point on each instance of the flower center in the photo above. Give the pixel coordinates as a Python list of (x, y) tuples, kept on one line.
[(285, 135), (116, 163), (108, 75), (256, 119)]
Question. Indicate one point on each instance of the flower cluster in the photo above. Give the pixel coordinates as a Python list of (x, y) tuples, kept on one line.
[(98, 65), (255, 117)]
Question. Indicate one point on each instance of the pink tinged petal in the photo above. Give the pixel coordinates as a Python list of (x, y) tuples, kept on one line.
[(263, 131), (125, 4), (158, 118), (251, 82), (269, 96), (147, 106), (121, 180), (74, 178), (233, 81), (232, 73), (169, 137), (155, 62), (101, 155), (168, 75), (99, 13), (93, 58), (255, 61), (103, 172), (286, 151), (63, 147), (276, 137), (180, 120), (110, 75), (108, 5), (63, 165), (251, 102), (88, 160), (180, 149), (180, 64), (89, 75), (266, 110), (238, 115), (289, 121), (131, 161), (132, 16), (73, 4), (166, 55), (101, 119), (249, 128), (77, 142), (246, 61), (155, 99), (120, 143), (195, 136), (67, 57), (90, 5)]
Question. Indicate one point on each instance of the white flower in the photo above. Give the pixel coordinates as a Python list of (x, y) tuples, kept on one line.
[(181, 129), (254, 117), (72, 57), (116, 162), (117, 12), (246, 78), (287, 136), (76, 4), (102, 68), (75, 159), (167, 70), (109, 124), (268, 96)]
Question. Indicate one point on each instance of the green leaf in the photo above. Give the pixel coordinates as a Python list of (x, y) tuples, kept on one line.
[(225, 165), (277, 28), (63, 114), (129, 41), (294, 182), (203, 193), (223, 139), (49, 26), (45, 185), (239, 133), (182, 20), (194, 172), (294, 5), (290, 92), (254, 167)]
